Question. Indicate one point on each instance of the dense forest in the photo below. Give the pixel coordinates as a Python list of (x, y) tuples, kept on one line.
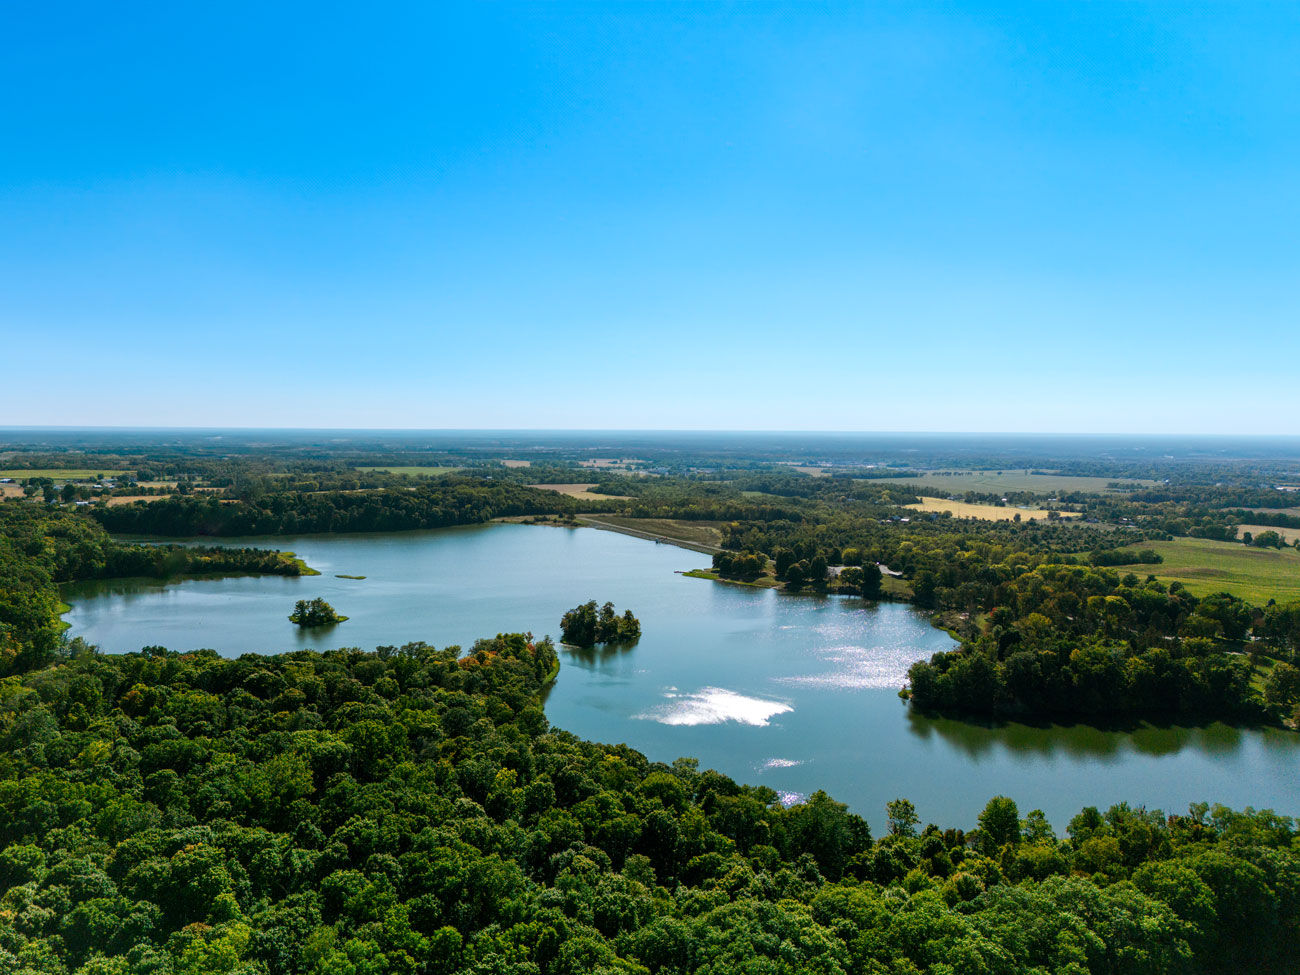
[(410, 810)]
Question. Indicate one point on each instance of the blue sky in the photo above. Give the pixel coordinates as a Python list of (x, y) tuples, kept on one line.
[(1016, 217)]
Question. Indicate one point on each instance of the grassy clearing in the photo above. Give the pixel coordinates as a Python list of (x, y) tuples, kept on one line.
[(1259, 673), (413, 471), (1206, 567), (11, 491), (959, 482), (65, 473), (303, 568), (702, 536), (896, 587), (985, 512), (766, 581), (516, 463), (577, 491), (1289, 535)]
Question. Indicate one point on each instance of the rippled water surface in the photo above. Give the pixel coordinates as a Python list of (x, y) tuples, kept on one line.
[(794, 692)]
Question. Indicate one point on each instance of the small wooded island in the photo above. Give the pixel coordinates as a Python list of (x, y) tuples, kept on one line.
[(585, 626), (314, 612)]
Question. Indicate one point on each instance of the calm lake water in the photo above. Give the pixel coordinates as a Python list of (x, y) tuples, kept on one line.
[(795, 692)]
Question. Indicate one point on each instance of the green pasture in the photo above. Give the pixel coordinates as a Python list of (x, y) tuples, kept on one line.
[(1206, 567)]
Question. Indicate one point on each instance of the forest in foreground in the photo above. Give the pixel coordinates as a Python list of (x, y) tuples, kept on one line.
[(410, 811)]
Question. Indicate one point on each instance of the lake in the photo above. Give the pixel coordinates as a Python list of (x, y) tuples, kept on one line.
[(794, 692)]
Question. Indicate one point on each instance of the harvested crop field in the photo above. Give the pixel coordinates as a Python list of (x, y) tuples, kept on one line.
[(1289, 535), (577, 491), (985, 512)]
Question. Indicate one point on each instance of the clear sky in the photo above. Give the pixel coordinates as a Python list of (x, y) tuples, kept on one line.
[(1045, 216)]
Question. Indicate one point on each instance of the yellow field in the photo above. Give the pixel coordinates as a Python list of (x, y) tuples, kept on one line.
[(1289, 535), (11, 491), (516, 463), (985, 512), (576, 491)]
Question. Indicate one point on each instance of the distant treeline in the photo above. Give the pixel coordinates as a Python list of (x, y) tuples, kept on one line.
[(446, 502)]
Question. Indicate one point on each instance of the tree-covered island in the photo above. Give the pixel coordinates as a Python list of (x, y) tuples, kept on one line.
[(314, 612), (587, 625)]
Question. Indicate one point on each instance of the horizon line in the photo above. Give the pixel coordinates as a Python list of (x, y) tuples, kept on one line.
[(125, 428)]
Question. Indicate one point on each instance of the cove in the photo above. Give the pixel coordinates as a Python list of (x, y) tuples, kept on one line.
[(794, 692)]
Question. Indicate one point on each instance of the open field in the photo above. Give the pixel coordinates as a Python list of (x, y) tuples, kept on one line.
[(63, 473), (576, 491), (1205, 567), (701, 536), (11, 491), (766, 581), (1294, 512), (958, 482), (516, 463), (413, 471), (985, 512), (1289, 535), (113, 502)]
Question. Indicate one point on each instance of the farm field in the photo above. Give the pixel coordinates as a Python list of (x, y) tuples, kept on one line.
[(957, 482), (1206, 567), (413, 471), (1269, 511), (576, 490), (985, 512), (1289, 535)]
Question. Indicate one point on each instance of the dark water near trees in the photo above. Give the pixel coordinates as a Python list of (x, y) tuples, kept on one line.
[(794, 692)]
